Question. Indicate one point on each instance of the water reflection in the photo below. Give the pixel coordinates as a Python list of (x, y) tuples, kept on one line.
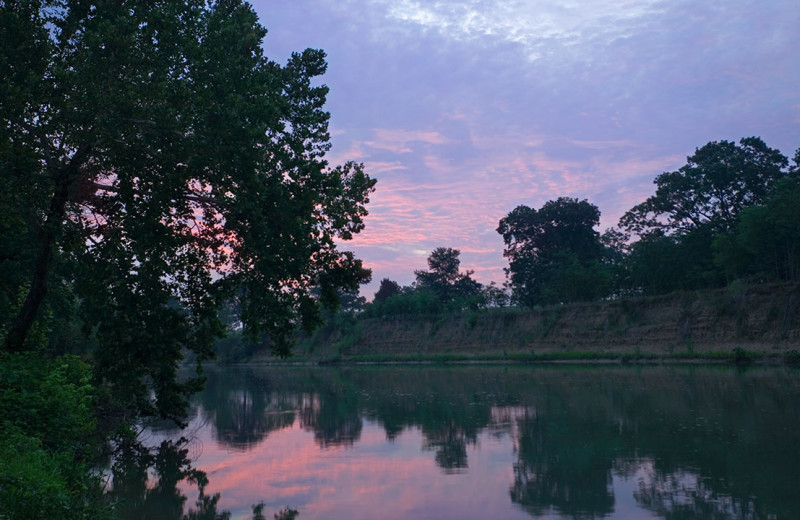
[(333, 415), (146, 484), (244, 408), (564, 462), (577, 443)]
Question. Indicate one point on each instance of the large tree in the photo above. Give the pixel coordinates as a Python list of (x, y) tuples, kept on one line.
[(554, 253), (387, 289), (766, 242), (154, 161), (716, 184), (701, 202), (445, 279)]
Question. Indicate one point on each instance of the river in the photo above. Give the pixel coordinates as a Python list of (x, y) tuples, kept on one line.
[(510, 442)]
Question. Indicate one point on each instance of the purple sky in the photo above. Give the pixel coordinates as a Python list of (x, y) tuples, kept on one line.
[(464, 110)]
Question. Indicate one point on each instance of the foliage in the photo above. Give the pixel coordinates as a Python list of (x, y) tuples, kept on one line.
[(235, 347), (410, 301), (494, 296), (792, 358), (766, 241), (387, 289), (286, 514), (350, 300), (554, 253), (444, 278), (154, 162), (50, 399), (38, 484), (660, 264), (725, 196), (716, 184), (443, 289), (416, 301), (46, 439)]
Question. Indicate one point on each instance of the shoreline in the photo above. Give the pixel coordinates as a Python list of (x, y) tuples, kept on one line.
[(736, 357)]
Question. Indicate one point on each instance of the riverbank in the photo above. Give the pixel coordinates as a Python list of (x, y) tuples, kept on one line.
[(741, 324), (736, 356)]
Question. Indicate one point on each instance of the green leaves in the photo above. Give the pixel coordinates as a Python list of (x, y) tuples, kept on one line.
[(554, 253), (166, 164), (725, 195), (715, 185), (46, 439), (766, 241), (444, 278)]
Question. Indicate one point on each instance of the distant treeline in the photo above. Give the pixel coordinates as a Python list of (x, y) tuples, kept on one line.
[(731, 213)]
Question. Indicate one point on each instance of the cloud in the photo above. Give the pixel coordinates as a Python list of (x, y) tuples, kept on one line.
[(540, 28), (464, 109), (378, 168), (447, 200), (603, 145), (399, 140)]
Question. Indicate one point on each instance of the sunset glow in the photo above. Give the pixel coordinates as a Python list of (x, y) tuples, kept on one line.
[(339, 482), (465, 110)]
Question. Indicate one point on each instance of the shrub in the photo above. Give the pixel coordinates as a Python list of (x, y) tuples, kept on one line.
[(46, 409)]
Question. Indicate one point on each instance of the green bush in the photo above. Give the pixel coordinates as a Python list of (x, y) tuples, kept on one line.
[(46, 412), (743, 357), (792, 358)]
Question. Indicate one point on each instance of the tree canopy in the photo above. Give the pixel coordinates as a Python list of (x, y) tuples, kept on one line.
[(387, 289), (718, 181), (444, 278), (724, 189), (766, 242), (153, 162), (554, 253)]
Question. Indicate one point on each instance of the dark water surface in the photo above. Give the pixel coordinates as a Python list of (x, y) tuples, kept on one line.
[(500, 442)]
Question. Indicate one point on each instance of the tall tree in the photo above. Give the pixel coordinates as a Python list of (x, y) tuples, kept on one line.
[(659, 263), (701, 202), (766, 241), (444, 278), (387, 289), (717, 182), (554, 253), (152, 148)]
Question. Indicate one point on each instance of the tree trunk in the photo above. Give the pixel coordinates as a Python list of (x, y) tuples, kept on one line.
[(48, 233)]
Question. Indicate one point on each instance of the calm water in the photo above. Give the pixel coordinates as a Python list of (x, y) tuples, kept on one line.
[(496, 442)]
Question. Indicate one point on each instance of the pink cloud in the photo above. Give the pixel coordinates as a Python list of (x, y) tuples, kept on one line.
[(460, 202), (398, 141), (376, 168)]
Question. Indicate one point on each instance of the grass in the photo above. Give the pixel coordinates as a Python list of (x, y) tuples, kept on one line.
[(736, 356)]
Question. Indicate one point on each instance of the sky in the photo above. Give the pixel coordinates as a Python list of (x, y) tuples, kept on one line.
[(464, 110)]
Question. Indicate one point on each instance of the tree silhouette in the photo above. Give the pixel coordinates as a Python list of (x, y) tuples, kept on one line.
[(554, 253), (444, 278)]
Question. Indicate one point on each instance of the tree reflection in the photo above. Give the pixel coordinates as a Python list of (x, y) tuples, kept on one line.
[(250, 417), (681, 495), (139, 495), (244, 409), (562, 464), (146, 485), (449, 410), (450, 444), (334, 414), (714, 446)]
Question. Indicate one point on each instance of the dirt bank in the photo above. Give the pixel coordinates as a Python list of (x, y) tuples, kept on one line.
[(763, 319)]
